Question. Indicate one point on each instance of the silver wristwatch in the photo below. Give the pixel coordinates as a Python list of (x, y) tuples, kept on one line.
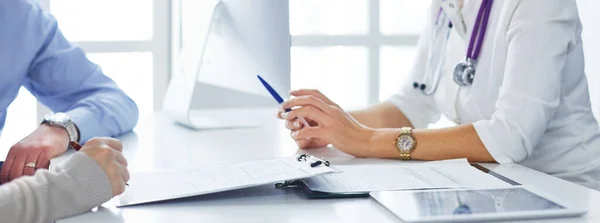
[(63, 120)]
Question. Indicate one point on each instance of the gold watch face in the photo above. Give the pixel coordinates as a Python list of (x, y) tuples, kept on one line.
[(405, 143)]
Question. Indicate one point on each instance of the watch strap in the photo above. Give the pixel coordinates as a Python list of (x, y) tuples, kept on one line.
[(404, 155), (406, 130), (73, 131)]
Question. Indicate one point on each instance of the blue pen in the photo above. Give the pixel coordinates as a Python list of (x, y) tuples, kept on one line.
[(272, 91), (278, 98)]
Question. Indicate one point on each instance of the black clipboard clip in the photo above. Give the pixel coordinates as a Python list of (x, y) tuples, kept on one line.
[(314, 161), (302, 183), (288, 184)]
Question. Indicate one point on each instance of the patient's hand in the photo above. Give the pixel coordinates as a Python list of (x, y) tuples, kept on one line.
[(107, 153)]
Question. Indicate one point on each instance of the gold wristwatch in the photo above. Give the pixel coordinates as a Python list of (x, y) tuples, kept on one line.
[(405, 143)]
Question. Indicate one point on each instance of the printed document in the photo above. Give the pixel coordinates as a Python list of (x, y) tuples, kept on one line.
[(456, 173)]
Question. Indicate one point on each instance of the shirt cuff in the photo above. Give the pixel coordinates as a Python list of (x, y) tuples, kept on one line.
[(497, 150), (86, 123)]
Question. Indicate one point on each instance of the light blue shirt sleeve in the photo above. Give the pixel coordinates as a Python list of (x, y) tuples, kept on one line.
[(62, 78)]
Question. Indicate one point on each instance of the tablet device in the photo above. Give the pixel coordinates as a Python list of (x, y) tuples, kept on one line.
[(481, 205)]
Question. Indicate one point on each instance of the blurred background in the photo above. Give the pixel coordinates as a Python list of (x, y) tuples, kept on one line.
[(367, 44)]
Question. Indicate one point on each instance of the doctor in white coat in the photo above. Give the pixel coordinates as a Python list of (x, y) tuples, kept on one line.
[(510, 73)]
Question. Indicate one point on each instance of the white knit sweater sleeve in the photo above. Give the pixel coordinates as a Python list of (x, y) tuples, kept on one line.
[(76, 186)]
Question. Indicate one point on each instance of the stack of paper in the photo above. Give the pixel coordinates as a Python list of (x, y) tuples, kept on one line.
[(440, 174)]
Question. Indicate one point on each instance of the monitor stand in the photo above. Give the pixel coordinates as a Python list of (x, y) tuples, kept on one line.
[(181, 88)]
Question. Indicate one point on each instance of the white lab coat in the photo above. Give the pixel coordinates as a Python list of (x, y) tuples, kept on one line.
[(529, 102)]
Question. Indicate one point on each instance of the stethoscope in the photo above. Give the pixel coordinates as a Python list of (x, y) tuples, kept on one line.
[(464, 72)]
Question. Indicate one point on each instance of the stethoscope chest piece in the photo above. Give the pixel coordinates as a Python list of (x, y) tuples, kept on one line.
[(464, 72)]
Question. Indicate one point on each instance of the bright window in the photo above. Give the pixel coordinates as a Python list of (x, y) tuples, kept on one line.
[(329, 17), (355, 51), (403, 17)]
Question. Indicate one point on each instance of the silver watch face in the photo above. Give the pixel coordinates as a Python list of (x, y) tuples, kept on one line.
[(60, 117), (405, 143), (64, 121)]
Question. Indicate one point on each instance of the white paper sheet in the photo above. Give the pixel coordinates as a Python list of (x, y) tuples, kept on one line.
[(170, 184), (440, 174)]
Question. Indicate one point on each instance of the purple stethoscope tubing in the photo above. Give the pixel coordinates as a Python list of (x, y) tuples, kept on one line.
[(464, 72), (479, 29)]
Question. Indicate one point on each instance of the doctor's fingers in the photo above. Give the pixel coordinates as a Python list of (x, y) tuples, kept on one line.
[(315, 93), (310, 132), (293, 124), (311, 113), (308, 100)]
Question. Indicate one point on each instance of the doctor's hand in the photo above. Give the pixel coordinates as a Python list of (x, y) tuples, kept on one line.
[(329, 124), (296, 124)]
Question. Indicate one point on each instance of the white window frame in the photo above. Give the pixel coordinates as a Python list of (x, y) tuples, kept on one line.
[(159, 46), (373, 40)]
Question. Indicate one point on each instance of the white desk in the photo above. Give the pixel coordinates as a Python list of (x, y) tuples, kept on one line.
[(159, 144)]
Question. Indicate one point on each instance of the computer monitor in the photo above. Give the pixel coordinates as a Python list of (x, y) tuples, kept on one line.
[(218, 49)]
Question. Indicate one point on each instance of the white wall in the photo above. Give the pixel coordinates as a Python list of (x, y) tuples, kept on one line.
[(591, 39)]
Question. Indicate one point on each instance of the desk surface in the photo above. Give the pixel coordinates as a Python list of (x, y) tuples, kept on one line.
[(157, 143)]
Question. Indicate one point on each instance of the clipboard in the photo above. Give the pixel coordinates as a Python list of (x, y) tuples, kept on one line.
[(314, 194), (161, 185)]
